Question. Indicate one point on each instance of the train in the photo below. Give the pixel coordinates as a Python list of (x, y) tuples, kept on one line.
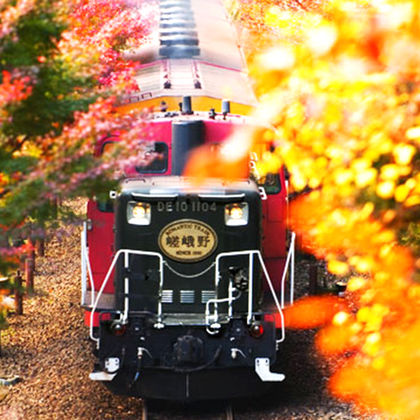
[(184, 284)]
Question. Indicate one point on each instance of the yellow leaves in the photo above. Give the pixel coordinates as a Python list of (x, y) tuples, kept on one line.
[(413, 133), (298, 180), (378, 363), (385, 189), (379, 143), (340, 318), (401, 193), (385, 236), (372, 317), (342, 176), (293, 25), (412, 201), (270, 163), (362, 264), (390, 172), (321, 39), (403, 153), (365, 177), (366, 210), (29, 149), (338, 268), (335, 152), (277, 17), (360, 164), (348, 112), (356, 283), (412, 183), (333, 113), (295, 114), (372, 344), (364, 174), (338, 218), (276, 59)]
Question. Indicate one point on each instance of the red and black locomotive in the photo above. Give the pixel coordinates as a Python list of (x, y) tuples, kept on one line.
[(184, 284)]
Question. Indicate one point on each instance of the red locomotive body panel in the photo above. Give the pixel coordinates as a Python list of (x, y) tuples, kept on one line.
[(100, 237)]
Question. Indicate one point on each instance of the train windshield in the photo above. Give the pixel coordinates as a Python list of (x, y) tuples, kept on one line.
[(160, 162), (271, 183)]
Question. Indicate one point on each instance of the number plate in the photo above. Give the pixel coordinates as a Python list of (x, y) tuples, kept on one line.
[(183, 206), (187, 240)]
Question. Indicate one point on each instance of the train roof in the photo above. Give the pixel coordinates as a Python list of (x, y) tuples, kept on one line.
[(195, 53), (162, 187)]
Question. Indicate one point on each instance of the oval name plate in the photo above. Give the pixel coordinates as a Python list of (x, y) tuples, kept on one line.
[(187, 240)]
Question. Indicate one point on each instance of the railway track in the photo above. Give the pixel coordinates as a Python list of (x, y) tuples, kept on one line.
[(206, 411)]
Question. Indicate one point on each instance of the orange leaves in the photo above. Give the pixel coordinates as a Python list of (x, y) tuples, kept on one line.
[(98, 33), (384, 378), (335, 339), (333, 83), (350, 239), (6, 302), (341, 89), (311, 312), (205, 162), (13, 89)]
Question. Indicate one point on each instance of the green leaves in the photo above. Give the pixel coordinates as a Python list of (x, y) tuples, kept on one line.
[(35, 36)]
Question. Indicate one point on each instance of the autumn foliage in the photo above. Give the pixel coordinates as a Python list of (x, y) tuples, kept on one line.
[(61, 72), (339, 85)]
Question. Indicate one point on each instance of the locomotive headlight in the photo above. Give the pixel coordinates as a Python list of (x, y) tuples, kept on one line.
[(138, 213), (236, 214)]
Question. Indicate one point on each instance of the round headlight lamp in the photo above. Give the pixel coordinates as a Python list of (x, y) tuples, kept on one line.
[(139, 213), (236, 214)]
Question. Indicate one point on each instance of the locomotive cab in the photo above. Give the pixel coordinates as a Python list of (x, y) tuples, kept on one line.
[(186, 229), (188, 321)]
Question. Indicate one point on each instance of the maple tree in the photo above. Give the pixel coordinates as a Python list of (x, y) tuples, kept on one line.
[(340, 87), (62, 69)]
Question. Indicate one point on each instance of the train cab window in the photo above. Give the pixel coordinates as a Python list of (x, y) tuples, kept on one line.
[(271, 183), (105, 206), (160, 163), (107, 146)]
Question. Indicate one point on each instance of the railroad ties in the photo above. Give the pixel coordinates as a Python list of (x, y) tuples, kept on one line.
[(208, 410)]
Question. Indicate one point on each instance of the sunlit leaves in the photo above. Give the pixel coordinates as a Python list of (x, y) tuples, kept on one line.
[(12, 91), (59, 59), (99, 33), (340, 88)]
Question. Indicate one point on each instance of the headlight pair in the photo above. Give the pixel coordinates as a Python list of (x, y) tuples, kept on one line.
[(236, 214)]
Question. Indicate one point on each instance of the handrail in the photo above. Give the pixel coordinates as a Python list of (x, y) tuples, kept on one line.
[(251, 255), (126, 253), (86, 268), (290, 259), (83, 268)]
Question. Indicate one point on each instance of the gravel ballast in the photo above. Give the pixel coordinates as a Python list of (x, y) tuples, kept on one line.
[(48, 349)]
